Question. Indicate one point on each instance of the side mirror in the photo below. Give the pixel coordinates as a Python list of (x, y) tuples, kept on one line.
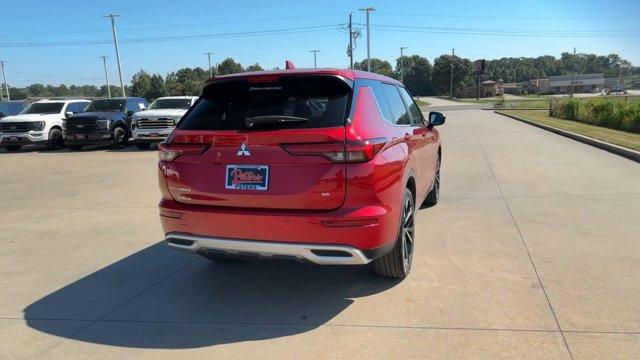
[(130, 113), (436, 118), (68, 113)]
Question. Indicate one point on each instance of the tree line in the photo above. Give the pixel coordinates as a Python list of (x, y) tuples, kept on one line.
[(421, 77)]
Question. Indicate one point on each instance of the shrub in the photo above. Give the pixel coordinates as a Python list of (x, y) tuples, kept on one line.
[(621, 115)]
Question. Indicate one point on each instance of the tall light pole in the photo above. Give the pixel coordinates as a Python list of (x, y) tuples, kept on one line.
[(4, 77), (402, 64), (315, 62), (106, 77), (209, 57), (350, 43), (367, 11), (115, 42), (575, 65), (453, 53)]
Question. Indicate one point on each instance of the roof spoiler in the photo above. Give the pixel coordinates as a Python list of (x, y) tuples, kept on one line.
[(289, 65)]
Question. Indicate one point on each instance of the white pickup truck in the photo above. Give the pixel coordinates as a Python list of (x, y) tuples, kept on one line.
[(39, 124), (155, 124)]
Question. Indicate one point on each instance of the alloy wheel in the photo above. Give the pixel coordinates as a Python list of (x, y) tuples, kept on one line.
[(407, 234)]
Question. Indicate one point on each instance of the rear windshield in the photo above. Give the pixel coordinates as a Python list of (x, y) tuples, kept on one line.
[(171, 104), (43, 108), (226, 105)]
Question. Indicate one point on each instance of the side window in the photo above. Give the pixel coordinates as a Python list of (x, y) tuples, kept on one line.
[(398, 111), (383, 106), (414, 110), (132, 105)]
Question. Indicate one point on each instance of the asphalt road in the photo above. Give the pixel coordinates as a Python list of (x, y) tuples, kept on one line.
[(533, 252)]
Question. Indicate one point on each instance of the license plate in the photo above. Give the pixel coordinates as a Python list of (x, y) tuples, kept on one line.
[(80, 136), (247, 177), (154, 135), (14, 138)]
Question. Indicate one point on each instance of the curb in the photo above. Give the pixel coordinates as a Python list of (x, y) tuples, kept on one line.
[(615, 149)]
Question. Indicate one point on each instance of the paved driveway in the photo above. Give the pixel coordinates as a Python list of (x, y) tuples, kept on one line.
[(533, 252)]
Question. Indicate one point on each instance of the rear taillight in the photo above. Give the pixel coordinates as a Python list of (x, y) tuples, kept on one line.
[(353, 151), (169, 152)]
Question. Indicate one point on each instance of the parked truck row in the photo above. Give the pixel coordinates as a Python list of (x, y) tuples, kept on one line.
[(76, 123)]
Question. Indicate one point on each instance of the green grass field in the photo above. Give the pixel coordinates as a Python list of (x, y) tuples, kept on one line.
[(532, 102), (422, 103), (617, 137)]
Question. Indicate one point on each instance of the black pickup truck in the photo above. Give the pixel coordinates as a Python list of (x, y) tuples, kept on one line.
[(104, 122)]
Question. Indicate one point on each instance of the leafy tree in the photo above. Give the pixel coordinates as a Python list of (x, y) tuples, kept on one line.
[(378, 66), (441, 76), (254, 67), (140, 84), (37, 90), (186, 81), (229, 66), (417, 74)]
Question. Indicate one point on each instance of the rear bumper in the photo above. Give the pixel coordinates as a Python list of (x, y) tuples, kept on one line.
[(364, 232), (315, 253)]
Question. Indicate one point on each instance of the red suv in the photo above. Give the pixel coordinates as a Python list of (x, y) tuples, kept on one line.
[(319, 165)]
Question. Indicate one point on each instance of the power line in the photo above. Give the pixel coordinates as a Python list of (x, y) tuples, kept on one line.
[(441, 15), (282, 31), (55, 76), (132, 29), (505, 32)]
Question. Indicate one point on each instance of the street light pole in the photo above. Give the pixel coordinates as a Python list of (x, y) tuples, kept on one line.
[(315, 63), (115, 42), (209, 56), (573, 77), (350, 43), (106, 76), (453, 53), (402, 64), (367, 11), (4, 77)]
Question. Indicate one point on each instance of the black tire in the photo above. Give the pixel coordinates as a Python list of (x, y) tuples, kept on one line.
[(13, 148), (397, 263), (120, 138), (74, 147), (143, 146), (56, 141), (434, 195)]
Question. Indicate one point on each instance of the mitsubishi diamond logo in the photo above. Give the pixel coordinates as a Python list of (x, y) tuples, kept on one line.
[(243, 150)]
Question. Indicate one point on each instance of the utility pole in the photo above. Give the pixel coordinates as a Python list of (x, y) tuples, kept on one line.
[(315, 63), (115, 42), (573, 78), (350, 43), (453, 53), (209, 56), (402, 64), (367, 11), (106, 77), (4, 77)]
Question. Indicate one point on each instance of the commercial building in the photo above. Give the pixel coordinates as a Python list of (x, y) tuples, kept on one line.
[(581, 83)]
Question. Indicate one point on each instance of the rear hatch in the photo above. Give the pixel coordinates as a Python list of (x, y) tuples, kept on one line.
[(263, 142)]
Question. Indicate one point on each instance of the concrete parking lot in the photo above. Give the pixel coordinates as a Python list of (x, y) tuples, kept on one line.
[(533, 252)]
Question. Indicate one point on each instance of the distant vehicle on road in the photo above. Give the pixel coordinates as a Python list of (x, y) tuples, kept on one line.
[(8, 108), (39, 123), (155, 124), (327, 166), (106, 121), (618, 89)]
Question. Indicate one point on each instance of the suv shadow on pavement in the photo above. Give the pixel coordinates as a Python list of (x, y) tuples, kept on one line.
[(160, 298)]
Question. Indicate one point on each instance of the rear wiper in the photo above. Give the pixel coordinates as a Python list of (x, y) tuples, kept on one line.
[(258, 121)]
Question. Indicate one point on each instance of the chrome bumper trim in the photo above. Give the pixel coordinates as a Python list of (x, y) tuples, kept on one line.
[(193, 243)]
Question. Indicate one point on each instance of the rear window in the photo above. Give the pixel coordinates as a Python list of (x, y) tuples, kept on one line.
[(226, 105)]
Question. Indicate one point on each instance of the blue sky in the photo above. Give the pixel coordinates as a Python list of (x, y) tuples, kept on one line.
[(429, 32)]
